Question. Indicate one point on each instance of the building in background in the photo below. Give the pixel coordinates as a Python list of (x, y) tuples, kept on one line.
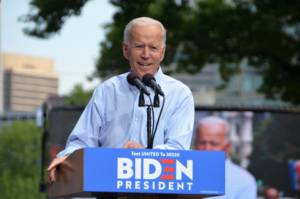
[(203, 84), (28, 81), (242, 88)]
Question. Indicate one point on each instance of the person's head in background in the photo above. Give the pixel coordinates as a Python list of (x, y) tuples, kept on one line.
[(213, 134), (144, 44), (271, 193)]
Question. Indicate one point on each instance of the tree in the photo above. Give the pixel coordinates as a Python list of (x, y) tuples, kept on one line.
[(78, 96), (20, 160), (264, 33), (48, 16)]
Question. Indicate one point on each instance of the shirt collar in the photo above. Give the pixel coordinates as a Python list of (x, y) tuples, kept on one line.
[(158, 75)]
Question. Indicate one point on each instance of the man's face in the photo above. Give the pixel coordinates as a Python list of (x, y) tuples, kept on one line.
[(145, 49), (212, 137)]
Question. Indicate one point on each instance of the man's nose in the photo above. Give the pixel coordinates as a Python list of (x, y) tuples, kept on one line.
[(146, 52), (207, 147)]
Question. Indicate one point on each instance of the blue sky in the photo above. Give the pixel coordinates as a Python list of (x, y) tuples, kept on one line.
[(74, 49)]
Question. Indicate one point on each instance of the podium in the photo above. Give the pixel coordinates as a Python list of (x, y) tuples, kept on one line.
[(140, 173)]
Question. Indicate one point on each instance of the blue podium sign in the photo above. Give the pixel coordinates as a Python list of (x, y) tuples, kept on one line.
[(153, 171)]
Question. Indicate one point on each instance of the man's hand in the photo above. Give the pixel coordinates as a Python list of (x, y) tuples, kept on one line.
[(52, 168), (133, 145)]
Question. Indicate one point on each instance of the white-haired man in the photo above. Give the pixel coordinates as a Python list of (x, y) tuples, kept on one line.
[(113, 118), (212, 134)]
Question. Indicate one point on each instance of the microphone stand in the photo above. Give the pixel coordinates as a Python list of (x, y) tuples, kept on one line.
[(149, 119), (151, 127), (149, 131)]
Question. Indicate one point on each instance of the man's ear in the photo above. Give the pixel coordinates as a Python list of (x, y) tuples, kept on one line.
[(227, 148), (163, 53), (125, 50)]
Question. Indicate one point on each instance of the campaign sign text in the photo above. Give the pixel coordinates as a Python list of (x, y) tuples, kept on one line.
[(154, 171)]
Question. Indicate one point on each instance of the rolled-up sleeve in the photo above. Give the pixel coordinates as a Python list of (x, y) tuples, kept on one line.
[(87, 129)]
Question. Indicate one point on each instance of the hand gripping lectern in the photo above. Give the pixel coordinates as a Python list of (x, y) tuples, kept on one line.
[(140, 173)]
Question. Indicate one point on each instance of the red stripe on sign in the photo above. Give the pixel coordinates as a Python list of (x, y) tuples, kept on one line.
[(167, 161), (167, 177), (169, 169)]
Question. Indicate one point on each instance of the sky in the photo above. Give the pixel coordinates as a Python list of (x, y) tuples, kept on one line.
[(74, 49)]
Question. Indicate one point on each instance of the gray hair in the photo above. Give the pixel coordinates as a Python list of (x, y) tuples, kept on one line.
[(142, 21), (214, 120)]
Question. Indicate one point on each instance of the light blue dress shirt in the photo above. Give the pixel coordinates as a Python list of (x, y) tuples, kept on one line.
[(112, 117), (239, 183)]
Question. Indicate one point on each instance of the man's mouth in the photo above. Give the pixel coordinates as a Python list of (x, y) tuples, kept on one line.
[(144, 64)]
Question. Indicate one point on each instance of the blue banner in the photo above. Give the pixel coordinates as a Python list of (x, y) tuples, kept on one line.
[(294, 170), (154, 171)]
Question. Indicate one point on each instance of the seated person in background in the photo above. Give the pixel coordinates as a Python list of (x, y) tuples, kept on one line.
[(212, 134)]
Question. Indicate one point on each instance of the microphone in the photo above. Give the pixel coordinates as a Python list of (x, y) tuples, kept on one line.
[(149, 80), (133, 79)]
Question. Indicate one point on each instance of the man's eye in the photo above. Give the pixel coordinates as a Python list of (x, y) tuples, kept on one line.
[(201, 143), (139, 46)]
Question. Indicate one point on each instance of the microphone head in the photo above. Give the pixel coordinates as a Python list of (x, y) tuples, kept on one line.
[(147, 79), (134, 80), (131, 77)]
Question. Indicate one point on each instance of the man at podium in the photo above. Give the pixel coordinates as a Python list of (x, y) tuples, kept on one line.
[(143, 108)]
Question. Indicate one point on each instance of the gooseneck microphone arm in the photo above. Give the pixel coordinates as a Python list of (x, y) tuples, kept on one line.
[(158, 119)]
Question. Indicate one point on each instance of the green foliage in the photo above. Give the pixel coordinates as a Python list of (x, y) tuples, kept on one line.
[(48, 16), (78, 96), (20, 160), (265, 33)]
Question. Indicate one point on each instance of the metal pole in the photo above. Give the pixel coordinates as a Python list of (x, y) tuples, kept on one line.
[(149, 132)]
